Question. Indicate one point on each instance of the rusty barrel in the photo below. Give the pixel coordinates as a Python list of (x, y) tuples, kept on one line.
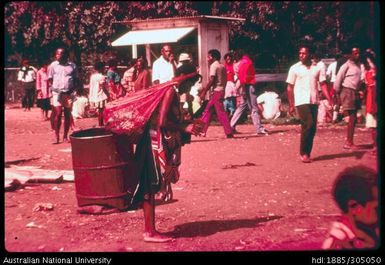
[(104, 168)]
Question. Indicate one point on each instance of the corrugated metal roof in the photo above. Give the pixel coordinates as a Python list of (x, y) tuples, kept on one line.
[(137, 37), (178, 18)]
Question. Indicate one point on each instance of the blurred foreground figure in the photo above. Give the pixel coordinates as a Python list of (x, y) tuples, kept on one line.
[(355, 191)]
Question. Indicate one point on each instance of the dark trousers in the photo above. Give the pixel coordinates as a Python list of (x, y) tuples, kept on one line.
[(28, 97), (308, 116)]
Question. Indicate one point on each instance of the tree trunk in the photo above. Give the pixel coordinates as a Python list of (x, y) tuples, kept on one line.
[(338, 26)]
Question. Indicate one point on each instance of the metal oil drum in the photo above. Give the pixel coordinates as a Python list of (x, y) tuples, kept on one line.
[(104, 168)]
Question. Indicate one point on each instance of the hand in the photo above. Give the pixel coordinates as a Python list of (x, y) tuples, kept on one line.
[(195, 128), (291, 110), (172, 59)]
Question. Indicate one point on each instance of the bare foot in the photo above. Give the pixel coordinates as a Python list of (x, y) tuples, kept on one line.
[(305, 159), (156, 237)]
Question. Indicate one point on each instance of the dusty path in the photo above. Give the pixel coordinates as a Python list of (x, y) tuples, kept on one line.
[(250, 193)]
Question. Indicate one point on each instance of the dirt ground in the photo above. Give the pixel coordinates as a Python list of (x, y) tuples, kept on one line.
[(250, 193)]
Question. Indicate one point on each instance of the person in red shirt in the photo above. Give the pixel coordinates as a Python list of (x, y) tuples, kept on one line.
[(371, 104), (231, 94), (246, 75)]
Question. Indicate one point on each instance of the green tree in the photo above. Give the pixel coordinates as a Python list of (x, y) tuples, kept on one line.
[(271, 32)]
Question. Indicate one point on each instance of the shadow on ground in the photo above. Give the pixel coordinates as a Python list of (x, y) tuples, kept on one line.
[(357, 154), (206, 228)]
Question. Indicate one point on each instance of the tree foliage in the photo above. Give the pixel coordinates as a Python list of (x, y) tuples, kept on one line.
[(271, 32)]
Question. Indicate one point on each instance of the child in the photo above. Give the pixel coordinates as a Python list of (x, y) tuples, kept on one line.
[(356, 192), (115, 88), (98, 93), (230, 102), (43, 91), (80, 105)]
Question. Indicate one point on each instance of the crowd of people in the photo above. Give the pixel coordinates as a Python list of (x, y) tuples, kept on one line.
[(185, 107)]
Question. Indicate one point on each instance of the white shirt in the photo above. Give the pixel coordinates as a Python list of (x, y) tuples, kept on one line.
[(162, 70), (63, 76), (331, 72), (30, 75), (96, 94), (305, 81), (271, 103)]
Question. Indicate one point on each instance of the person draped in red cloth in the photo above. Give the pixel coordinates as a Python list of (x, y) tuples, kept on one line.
[(153, 121)]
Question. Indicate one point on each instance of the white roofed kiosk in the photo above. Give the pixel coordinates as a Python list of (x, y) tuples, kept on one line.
[(195, 35)]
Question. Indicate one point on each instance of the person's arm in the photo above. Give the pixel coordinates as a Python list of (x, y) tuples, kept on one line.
[(372, 66), (165, 108), (291, 79), (38, 82), (90, 86), (173, 62), (20, 75), (155, 73), (340, 77), (325, 91), (103, 85), (290, 98), (203, 92), (49, 75)]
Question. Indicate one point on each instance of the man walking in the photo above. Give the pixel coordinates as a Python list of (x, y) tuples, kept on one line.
[(246, 76), (347, 85), (217, 81), (302, 92), (64, 77)]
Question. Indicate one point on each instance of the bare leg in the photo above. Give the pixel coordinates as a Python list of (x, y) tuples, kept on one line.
[(150, 233), (52, 118), (57, 122), (67, 122), (149, 214), (42, 114), (351, 126)]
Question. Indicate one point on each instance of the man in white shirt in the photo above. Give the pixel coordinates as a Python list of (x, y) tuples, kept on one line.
[(27, 77), (163, 68), (302, 92), (269, 105), (63, 77)]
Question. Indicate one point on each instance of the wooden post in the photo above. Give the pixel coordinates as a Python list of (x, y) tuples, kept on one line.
[(202, 52), (134, 51), (148, 54)]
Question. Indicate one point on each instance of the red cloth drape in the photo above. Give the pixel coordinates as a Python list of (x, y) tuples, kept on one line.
[(129, 115)]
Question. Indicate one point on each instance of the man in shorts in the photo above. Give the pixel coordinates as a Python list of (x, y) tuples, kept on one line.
[(346, 85), (63, 76)]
